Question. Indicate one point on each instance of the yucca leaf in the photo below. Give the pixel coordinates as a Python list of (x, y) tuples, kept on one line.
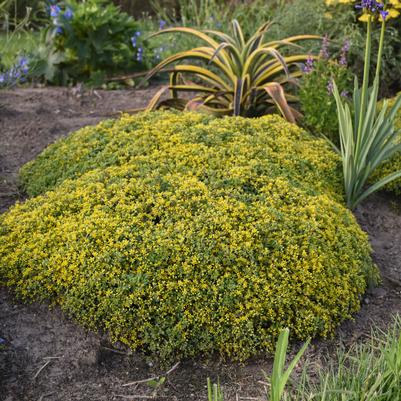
[(265, 73), (193, 88), (218, 112), (222, 36), (153, 104), (203, 73), (256, 40), (236, 65), (239, 89), (202, 53), (177, 104), (378, 185), (238, 34), (276, 92), (248, 66), (293, 39), (191, 31), (174, 76), (215, 100)]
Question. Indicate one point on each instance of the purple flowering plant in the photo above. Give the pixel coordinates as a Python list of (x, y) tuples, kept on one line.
[(93, 40), (16, 74), (316, 90)]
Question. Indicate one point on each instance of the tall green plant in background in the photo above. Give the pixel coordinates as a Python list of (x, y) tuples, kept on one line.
[(241, 77), (367, 139)]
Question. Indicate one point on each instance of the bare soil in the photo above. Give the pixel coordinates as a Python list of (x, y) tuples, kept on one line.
[(44, 356)]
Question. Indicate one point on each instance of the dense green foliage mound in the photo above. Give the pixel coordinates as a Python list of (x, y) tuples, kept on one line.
[(180, 234), (245, 152)]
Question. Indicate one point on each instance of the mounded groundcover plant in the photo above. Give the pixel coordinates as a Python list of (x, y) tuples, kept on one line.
[(180, 234)]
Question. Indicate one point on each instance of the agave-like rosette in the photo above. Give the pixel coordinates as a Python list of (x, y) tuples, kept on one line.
[(239, 77)]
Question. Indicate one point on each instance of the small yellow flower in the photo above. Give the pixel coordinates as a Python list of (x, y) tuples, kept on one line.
[(393, 13), (364, 18), (395, 3)]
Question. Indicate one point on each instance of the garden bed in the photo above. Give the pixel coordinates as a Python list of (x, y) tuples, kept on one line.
[(82, 366)]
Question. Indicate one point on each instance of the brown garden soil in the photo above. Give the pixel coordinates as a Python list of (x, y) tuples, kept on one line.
[(47, 357)]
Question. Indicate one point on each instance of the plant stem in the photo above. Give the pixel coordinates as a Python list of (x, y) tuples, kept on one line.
[(365, 84), (380, 53)]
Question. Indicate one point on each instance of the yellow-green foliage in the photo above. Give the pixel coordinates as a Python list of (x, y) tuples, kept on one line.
[(394, 164), (195, 144), (191, 236)]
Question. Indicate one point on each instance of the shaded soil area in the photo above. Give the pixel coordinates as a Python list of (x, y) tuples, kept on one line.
[(44, 356)]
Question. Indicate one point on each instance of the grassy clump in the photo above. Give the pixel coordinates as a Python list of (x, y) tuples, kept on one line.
[(182, 235), (370, 371)]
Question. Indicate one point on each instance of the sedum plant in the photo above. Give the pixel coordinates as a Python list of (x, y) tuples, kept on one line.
[(183, 234), (241, 77), (367, 139)]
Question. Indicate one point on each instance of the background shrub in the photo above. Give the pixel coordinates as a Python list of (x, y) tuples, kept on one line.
[(182, 235), (89, 41), (316, 97)]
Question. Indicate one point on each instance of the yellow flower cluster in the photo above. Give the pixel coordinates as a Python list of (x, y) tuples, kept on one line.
[(393, 7), (181, 235)]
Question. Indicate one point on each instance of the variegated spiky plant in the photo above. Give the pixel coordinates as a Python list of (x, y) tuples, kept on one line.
[(236, 76)]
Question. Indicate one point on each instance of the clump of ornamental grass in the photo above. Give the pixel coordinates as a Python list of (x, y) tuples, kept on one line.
[(367, 137), (370, 371)]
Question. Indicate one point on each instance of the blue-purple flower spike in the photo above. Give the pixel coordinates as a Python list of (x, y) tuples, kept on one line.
[(344, 52), (54, 11), (330, 87), (308, 67), (384, 14), (324, 51), (370, 5), (68, 14)]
